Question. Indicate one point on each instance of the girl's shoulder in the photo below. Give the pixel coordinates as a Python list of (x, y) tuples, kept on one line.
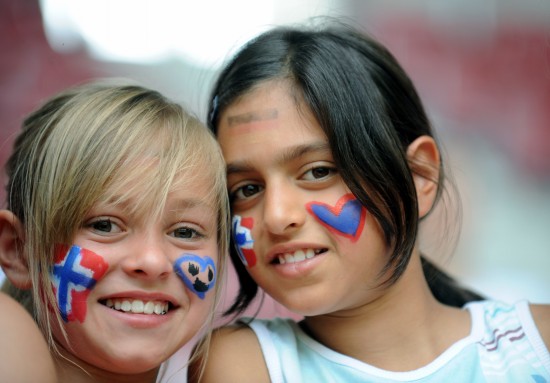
[(541, 316), (21, 341), (234, 356)]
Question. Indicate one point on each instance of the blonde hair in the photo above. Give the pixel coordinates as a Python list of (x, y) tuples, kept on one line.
[(94, 143)]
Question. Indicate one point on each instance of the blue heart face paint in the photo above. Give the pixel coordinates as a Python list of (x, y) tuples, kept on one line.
[(243, 239), (347, 218), (197, 272), (74, 274)]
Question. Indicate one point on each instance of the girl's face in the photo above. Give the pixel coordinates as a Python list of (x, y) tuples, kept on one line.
[(304, 237), (133, 290)]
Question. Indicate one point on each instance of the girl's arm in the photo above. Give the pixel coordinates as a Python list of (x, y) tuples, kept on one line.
[(24, 354), (541, 316), (234, 356)]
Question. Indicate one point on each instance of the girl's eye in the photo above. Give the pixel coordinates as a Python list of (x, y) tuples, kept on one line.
[(186, 233), (317, 173), (105, 225), (246, 191)]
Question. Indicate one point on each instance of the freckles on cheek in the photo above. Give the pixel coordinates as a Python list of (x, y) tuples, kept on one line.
[(198, 273), (244, 243), (346, 218), (74, 274)]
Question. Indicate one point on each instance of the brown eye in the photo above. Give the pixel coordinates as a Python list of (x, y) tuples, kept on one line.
[(319, 173), (186, 233), (103, 225), (249, 190), (246, 191)]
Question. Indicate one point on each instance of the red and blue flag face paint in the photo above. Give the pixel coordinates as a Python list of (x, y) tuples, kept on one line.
[(198, 273), (244, 243), (347, 218), (74, 273)]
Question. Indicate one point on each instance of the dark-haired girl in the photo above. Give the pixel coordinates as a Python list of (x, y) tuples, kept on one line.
[(331, 165)]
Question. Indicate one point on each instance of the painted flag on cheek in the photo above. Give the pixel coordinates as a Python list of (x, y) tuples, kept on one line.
[(244, 243), (74, 274)]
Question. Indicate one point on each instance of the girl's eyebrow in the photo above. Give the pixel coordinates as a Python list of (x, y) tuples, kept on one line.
[(190, 203), (286, 156), (179, 204)]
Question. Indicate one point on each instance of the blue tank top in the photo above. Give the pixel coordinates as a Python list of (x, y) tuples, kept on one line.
[(504, 345)]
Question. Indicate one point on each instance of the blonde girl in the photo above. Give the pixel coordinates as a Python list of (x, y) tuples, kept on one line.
[(116, 221)]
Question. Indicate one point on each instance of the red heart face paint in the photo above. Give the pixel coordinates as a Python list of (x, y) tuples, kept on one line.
[(74, 274), (244, 242), (347, 218)]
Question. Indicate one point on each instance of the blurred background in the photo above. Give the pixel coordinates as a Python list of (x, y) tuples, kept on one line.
[(481, 67)]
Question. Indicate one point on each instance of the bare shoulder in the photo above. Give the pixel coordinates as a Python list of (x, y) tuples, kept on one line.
[(541, 316), (21, 341), (234, 355)]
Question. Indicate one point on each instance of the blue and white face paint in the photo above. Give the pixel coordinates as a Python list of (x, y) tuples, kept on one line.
[(198, 273)]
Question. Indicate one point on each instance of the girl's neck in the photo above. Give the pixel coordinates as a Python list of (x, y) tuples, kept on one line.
[(402, 330)]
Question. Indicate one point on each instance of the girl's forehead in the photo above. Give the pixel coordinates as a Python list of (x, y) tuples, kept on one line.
[(262, 96), (149, 185), (273, 105)]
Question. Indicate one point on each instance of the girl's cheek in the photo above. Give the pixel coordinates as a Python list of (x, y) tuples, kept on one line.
[(74, 275), (346, 218), (242, 236), (197, 272)]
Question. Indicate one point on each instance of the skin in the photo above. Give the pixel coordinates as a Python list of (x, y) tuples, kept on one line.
[(111, 345), (278, 161), (21, 341)]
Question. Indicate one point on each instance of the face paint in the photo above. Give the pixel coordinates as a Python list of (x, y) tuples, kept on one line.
[(247, 118), (347, 218), (74, 274), (198, 273), (243, 239)]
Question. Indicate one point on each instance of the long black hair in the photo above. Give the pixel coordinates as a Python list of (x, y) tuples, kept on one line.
[(370, 112)]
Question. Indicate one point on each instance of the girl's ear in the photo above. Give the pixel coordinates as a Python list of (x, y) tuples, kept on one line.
[(12, 260), (424, 160)]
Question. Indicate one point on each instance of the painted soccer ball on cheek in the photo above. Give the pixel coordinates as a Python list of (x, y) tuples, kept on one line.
[(244, 243), (198, 273), (347, 218), (74, 274)]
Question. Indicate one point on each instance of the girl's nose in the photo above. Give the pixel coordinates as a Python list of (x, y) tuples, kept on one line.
[(284, 211), (148, 259)]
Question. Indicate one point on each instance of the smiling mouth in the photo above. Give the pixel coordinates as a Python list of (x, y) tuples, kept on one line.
[(137, 306), (297, 256)]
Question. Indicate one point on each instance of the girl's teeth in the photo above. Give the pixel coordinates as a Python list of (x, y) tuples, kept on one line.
[(297, 256), (137, 306), (126, 306), (149, 308), (158, 309)]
